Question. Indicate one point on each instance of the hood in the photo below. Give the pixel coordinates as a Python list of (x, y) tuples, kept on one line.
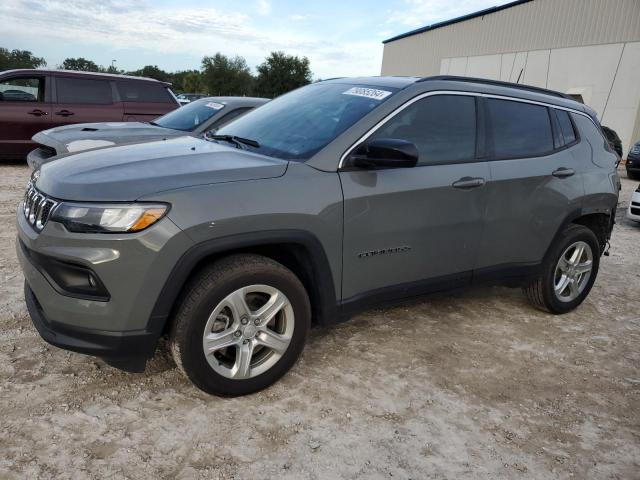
[(86, 136), (128, 172)]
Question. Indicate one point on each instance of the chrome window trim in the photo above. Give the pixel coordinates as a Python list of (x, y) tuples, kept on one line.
[(399, 109)]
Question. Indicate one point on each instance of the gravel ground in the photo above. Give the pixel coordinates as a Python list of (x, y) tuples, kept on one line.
[(471, 385)]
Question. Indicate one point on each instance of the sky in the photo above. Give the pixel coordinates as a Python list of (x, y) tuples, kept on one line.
[(340, 38)]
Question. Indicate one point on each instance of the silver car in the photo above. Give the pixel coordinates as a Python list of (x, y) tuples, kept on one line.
[(195, 119)]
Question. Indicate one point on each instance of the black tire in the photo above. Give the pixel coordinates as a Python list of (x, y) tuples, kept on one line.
[(206, 290), (540, 292)]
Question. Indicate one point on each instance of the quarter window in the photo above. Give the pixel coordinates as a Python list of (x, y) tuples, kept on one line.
[(83, 91), (144, 92), (232, 115), (25, 89), (442, 127), (566, 127), (519, 129)]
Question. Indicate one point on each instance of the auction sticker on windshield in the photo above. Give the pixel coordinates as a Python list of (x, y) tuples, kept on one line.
[(215, 105), (367, 92)]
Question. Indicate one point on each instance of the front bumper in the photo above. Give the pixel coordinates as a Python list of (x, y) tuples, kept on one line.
[(633, 212), (127, 350), (633, 164), (132, 268)]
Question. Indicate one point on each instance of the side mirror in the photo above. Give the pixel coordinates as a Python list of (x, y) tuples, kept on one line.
[(385, 153)]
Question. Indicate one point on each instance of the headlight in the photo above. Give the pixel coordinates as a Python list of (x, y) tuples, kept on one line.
[(113, 218)]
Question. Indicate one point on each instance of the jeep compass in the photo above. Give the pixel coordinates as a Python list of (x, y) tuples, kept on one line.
[(335, 197)]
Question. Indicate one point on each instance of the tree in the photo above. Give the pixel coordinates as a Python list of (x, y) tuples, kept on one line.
[(192, 82), (152, 71), (113, 69), (80, 64), (222, 75), (19, 59), (280, 73), (187, 81)]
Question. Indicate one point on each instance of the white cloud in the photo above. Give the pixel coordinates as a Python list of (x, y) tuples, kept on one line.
[(264, 7), (297, 17), (114, 24), (425, 12)]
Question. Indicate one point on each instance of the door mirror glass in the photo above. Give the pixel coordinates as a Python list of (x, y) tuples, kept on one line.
[(385, 153)]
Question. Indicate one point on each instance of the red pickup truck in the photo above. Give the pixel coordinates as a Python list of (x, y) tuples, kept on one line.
[(36, 100)]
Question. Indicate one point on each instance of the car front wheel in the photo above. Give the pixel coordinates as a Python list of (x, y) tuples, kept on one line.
[(241, 325)]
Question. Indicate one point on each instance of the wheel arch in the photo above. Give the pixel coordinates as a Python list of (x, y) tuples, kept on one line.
[(599, 221), (298, 250)]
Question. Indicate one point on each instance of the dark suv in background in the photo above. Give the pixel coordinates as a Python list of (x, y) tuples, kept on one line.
[(633, 162), (35, 100)]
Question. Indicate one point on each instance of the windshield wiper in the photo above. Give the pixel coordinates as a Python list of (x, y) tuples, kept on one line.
[(238, 141)]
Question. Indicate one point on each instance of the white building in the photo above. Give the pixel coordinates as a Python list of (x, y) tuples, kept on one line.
[(589, 48)]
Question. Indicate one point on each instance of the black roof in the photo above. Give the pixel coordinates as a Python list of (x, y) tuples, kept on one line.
[(384, 81), (497, 83), (403, 82), (480, 13)]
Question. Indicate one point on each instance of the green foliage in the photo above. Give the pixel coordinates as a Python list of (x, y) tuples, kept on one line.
[(224, 75), (152, 71), (192, 82), (80, 64), (281, 73), (219, 74), (112, 69), (19, 59), (187, 81)]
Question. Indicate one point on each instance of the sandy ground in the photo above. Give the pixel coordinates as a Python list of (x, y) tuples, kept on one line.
[(473, 385)]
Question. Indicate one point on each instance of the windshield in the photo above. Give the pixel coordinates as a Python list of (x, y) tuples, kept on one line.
[(189, 117), (297, 125)]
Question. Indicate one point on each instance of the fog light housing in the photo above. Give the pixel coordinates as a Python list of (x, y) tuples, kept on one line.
[(67, 278)]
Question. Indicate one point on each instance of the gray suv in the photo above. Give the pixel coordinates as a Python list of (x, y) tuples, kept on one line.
[(333, 198)]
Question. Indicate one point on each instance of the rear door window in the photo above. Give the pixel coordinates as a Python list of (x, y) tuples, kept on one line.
[(144, 92), (442, 127), (83, 91), (23, 89), (519, 129)]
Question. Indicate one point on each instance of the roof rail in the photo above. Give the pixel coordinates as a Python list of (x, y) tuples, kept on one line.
[(497, 83)]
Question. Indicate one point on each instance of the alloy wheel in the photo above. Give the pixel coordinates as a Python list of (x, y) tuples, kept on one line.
[(248, 331), (573, 271)]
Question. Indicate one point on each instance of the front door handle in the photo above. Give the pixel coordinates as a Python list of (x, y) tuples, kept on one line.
[(37, 112), (64, 113), (563, 172), (468, 182)]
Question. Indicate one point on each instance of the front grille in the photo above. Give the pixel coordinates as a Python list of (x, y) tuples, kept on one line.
[(37, 208)]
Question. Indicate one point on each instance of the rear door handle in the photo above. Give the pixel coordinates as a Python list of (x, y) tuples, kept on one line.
[(563, 172), (37, 112), (468, 182), (64, 113)]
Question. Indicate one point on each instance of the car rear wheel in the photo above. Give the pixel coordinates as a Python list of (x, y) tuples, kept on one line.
[(241, 325), (568, 272)]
